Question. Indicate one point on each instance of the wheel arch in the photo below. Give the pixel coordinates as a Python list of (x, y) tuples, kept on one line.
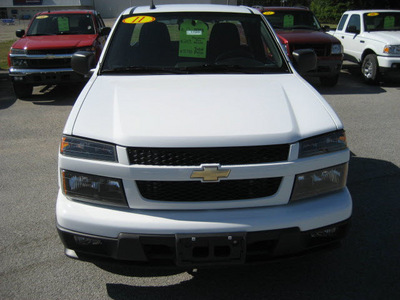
[(366, 52)]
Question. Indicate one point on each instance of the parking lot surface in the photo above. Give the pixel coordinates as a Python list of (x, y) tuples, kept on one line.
[(33, 265)]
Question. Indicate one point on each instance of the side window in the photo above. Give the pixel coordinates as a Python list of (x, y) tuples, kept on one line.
[(354, 24), (100, 21), (341, 22)]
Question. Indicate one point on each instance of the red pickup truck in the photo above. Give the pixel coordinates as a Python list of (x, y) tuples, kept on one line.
[(298, 28), (43, 53)]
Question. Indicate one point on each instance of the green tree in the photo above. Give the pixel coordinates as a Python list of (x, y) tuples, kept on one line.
[(328, 11)]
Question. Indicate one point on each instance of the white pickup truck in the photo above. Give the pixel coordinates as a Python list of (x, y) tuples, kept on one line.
[(372, 39), (196, 142)]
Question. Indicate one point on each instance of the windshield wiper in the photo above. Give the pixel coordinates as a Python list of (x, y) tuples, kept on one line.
[(141, 69)]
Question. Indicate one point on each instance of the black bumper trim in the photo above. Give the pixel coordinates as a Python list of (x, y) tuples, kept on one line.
[(204, 249)]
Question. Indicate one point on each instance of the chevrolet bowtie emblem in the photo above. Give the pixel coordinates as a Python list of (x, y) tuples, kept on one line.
[(210, 173)]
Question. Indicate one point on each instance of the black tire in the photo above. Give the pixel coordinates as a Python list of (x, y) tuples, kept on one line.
[(370, 69), (22, 90), (329, 81)]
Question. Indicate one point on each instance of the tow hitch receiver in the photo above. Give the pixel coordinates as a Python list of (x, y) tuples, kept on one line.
[(203, 249)]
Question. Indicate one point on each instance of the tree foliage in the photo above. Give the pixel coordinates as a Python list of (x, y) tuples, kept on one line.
[(328, 11)]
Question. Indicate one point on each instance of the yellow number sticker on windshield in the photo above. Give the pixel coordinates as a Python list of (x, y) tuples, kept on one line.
[(268, 13), (373, 14), (139, 20), (42, 17)]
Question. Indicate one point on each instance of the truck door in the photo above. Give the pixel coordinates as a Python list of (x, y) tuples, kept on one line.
[(353, 43)]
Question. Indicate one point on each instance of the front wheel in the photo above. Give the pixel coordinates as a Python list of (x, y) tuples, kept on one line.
[(22, 90), (370, 69), (329, 81)]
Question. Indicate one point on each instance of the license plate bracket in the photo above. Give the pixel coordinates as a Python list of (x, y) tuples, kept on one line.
[(204, 249)]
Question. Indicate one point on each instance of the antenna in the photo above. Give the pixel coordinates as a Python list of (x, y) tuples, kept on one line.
[(152, 6)]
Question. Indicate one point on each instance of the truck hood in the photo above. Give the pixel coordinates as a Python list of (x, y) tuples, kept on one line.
[(302, 36), (55, 41), (386, 37), (200, 110)]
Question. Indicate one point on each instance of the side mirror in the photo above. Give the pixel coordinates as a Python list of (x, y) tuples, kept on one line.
[(304, 60), (105, 31), (326, 28), (82, 62), (353, 29), (20, 33)]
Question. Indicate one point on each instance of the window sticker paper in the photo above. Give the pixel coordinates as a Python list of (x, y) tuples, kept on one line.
[(388, 23), (63, 24), (288, 21), (193, 39)]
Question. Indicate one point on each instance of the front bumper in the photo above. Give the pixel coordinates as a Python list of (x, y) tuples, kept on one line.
[(389, 64), (203, 249), (204, 237), (45, 76), (326, 67)]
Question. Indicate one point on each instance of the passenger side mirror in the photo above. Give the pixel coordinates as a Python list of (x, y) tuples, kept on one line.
[(304, 60), (326, 28), (353, 29), (82, 62), (105, 31), (20, 33)]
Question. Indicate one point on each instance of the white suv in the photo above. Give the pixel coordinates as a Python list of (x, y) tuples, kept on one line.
[(196, 142)]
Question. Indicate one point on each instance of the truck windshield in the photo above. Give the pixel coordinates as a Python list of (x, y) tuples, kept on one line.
[(292, 19), (165, 43), (55, 24), (382, 21)]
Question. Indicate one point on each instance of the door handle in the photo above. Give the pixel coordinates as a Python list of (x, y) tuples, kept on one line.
[(362, 42)]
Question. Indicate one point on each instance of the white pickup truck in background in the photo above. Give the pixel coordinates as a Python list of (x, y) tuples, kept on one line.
[(372, 39)]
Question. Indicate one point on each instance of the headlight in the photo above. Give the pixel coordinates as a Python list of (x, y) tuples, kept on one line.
[(336, 49), (18, 51), (82, 148), (334, 141), (92, 188), (319, 182), (391, 49)]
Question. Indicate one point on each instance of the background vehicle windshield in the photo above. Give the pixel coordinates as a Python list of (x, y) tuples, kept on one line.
[(54, 24), (292, 19), (199, 42), (383, 21)]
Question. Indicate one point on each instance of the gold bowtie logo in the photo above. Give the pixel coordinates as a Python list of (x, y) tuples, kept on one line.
[(210, 174)]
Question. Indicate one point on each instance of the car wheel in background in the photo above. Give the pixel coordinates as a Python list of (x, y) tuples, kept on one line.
[(22, 90), (329, 81), (370, 69)]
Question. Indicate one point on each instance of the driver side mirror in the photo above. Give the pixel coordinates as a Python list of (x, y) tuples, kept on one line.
[(304, 60), (105, 31), (20, 33), (82, 62), (352, 29), (326, 28)]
